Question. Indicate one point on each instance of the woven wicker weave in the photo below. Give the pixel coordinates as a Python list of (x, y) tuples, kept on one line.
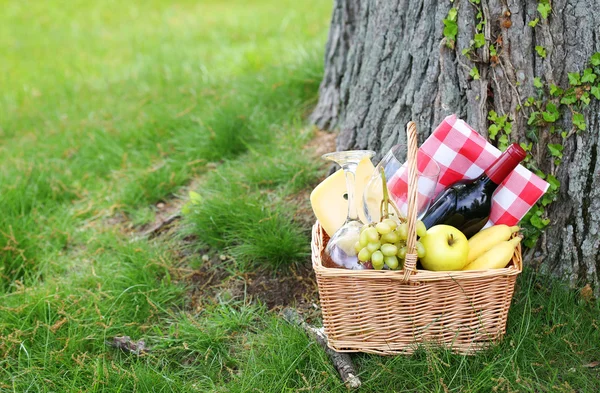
[(390, 312)]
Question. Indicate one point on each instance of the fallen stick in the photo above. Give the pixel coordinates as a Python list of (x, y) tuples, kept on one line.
[(341, 361), (152, 232)]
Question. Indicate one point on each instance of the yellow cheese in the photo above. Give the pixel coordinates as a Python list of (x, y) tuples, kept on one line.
[(328, 199)]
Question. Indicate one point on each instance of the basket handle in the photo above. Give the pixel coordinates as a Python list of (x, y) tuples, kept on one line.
[(410, 261)]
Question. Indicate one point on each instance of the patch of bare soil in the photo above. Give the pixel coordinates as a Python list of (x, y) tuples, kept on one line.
[(323, 142), (295, 287)]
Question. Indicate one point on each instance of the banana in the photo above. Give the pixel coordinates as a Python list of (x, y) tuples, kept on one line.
[(488, 238), (496, 257)]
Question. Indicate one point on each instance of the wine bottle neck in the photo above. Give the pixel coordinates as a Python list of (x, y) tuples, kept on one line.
[(505, 164)]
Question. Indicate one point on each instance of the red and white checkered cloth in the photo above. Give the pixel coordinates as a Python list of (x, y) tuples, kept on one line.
[(461, 153)]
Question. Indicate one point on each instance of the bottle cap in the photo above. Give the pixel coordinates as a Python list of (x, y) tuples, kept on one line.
[(504, 164), (516, 151)]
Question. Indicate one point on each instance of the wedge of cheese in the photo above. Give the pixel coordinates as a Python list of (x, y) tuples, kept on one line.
[(329, 199)]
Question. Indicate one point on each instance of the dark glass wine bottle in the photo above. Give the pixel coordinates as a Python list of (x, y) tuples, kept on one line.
[(466, 204)]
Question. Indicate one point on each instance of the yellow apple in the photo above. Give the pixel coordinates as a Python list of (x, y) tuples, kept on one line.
[(446, 248)]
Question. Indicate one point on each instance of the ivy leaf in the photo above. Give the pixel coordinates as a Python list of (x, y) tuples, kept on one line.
[(551, 114), (537, 82), (493, 131), (585, 98), (465, 51), (526, 146), (553, 181), (533, 118), (569, 98), (579, 120), (595, 59), (541, 51), (556, 149), (548, 117), (529, 102), (544, 9), (596, 92), (450, 27), (574, 78), (555, 90), (452, 14), (531, 241), (534, 22), (493, 50), (547, 199), (474, 73), (493, 116), (503, 142), (508, 128), (479, 40), (538, 222), (588, 76)]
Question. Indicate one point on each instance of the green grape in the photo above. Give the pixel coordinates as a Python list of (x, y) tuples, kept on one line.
[(377, 257), (372, 235), (389, 250), (391, 237), (377, 265), (392, 223), (374, 246), (363, 239), (364, 255), (391, 262), (401, 252), (383, 228), (403, 231), (421, 229), (358, 246), (420, 250)]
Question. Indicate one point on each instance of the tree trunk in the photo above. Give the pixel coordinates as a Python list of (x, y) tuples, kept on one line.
[(341, 33), (399, 67)]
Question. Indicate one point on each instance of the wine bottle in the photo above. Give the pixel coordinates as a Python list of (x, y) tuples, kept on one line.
[(466, 204)]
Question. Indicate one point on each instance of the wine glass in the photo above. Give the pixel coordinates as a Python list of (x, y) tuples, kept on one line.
[(340, 251), (396, 174)]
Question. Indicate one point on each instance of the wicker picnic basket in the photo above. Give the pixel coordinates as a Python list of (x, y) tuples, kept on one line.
[(390, 312)]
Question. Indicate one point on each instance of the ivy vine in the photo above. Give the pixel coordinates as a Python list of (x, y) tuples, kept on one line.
[(547, 108), (543, 111)]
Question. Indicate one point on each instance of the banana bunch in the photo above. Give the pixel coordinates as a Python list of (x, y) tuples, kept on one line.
[(491, 248)]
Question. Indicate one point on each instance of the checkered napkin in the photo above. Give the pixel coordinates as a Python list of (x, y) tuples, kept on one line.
[(461, 153)]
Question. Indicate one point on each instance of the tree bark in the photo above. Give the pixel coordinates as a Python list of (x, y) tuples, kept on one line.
[(341, 33), (398, 68)]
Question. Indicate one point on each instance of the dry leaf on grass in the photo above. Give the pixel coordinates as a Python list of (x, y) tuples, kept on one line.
[(591, 365), (126, 344), (587, 293)]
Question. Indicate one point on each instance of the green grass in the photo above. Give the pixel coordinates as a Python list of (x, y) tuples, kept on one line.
[(107, 111), (108, 108), (242, 209)]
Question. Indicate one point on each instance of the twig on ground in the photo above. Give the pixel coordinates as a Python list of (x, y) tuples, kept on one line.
[(155, 230), (341, 361)]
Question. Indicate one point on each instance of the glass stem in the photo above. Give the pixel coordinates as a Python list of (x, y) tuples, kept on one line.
[(350, 171)]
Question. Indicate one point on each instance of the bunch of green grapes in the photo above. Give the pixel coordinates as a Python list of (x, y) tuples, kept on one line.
[(384, 244)]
